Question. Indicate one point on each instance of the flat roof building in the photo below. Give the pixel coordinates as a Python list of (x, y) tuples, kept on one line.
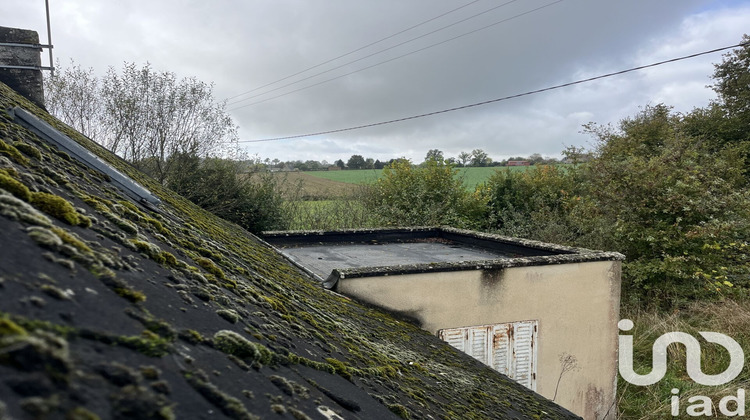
[(534, 311)]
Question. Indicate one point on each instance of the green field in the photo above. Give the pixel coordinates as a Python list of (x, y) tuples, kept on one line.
[(471, 176), (359, 176)]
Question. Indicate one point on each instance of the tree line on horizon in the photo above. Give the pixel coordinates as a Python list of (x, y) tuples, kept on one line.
[(475, 158)]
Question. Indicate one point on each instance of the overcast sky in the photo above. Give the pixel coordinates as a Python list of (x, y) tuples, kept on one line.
[(527, 45)]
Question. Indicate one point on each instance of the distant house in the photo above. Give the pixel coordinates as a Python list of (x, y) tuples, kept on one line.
[(526, 308), (518, 163), (334, 168)]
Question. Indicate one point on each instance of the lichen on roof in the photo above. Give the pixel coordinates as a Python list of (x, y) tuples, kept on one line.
[(113, 310)]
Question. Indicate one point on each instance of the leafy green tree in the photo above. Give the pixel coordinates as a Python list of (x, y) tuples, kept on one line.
[(678, 211), (356, 162), (434, 154), (313, 165), (536, 159), (535, 203), (675, 205), (480, 158), (732, 83), (464, 158)]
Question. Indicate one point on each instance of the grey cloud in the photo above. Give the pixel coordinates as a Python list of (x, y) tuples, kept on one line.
[(242, 45)]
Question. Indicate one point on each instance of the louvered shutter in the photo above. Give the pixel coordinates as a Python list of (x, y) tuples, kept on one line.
[(479, 343), (501, 349), (509, 348), (524, 353), (456, 337)]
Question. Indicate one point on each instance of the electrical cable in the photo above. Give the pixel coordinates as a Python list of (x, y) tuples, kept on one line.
[(382, 51), (382, 62), (356, 50), (505, 98)]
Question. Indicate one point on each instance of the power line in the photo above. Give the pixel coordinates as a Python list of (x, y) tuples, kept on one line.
[(374, 54), (356, 50), (505, 98), (389, 60)]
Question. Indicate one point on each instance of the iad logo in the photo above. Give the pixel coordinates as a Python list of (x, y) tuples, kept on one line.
[(703, 406), (693, 350)]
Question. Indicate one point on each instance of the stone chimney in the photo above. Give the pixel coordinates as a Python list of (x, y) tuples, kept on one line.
[(20, 48)]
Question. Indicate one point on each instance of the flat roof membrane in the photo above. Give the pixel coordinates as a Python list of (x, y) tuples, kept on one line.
[(344, 254), (324, 258)]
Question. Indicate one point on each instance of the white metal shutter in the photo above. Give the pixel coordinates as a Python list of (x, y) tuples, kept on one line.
[(501, 349), (509, 348), (524, 353), (479, 344), (456, 337)]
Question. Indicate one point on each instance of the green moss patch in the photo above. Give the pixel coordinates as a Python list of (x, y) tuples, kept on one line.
[(39, 351), (152, 251), (148, 343), (8, 327), (229, 315), (209, 266), (14, 187), (72, 239), (17, 209), (55, 206), (13, 153), (132, 295), (232, 343), (230, 406), (44, 237), (28, 150)]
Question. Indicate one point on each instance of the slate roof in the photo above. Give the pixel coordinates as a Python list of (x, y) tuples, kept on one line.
[(111, 310)]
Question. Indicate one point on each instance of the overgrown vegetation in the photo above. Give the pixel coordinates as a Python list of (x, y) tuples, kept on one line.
[(253, 201), (425, 195), (667, 190)]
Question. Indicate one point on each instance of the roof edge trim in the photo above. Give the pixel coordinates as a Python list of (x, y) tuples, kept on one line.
[(339, 274), (83, 155)]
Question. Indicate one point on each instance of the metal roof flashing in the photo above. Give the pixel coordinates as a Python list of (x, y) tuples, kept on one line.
[(83, 155), (331, 256)]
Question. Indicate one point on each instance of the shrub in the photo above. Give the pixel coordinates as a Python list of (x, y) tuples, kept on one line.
[(427, 195), (252, 200), (535, 203)]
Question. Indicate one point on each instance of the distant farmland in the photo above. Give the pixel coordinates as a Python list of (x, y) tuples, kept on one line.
[(471, 176), (318, 185)]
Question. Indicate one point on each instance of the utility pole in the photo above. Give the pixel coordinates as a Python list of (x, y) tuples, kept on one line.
[(49, 41)]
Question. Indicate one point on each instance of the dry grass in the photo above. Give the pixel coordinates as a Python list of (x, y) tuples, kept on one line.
[(653, 402)]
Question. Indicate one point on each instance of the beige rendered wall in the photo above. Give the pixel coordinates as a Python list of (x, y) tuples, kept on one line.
[(577, 306)]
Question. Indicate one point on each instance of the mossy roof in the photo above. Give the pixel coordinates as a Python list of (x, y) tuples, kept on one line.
[(113, 310)]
